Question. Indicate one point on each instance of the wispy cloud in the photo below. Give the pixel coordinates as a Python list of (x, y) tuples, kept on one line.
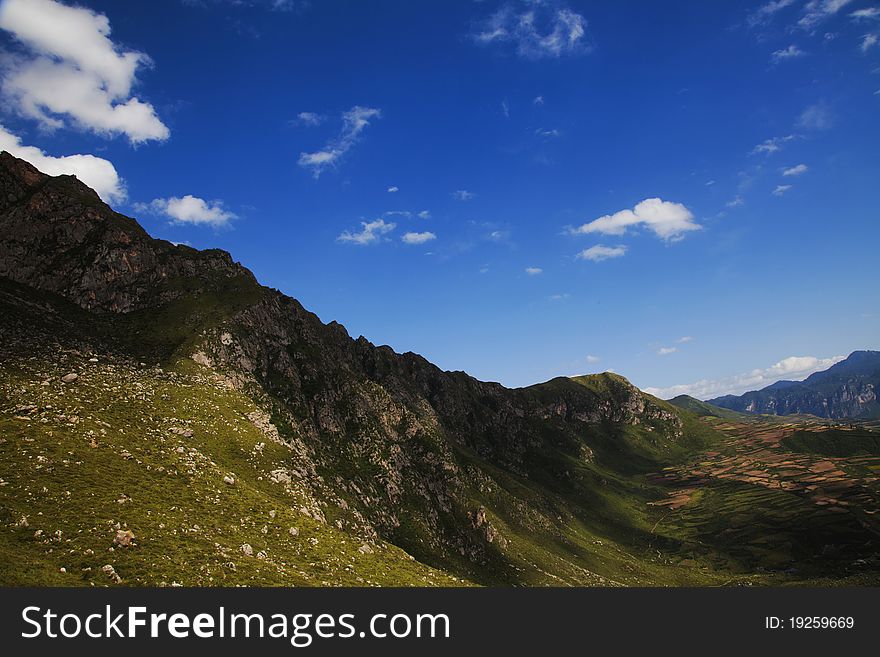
[(534, 271), (765, 12), (96, 172), (71, 69), (866, 14), (310, 118), (371, 232), (393, 189), (817, 11), (868, 42), (535, 29), (793, 367), (538, 100), (791, 52), (422, 214), (601, 252), (593, 359), (685, 338), (354, 122), (462, 195), (772, 145), (781, 189), (190, 210), (796, 170), (816, 117), (735, 202), (665, 351), (542, 132), (667, 220), (418, 238)]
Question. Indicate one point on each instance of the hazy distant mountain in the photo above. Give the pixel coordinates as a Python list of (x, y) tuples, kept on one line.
[(847, 389)]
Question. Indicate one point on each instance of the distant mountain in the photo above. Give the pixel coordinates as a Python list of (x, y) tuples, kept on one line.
[(847, 389), (705, 409)]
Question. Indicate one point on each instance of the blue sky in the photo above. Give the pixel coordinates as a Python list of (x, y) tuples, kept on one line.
[(681, 192)]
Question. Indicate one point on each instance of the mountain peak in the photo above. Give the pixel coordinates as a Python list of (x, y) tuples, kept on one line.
[(58, 236)]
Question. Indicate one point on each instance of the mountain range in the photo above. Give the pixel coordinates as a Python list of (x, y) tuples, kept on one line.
[(847, 389), (165, 420)]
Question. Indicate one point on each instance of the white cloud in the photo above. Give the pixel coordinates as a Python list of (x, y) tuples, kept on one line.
[(868, 42), (868, 13), (462, 195), (593, 359), (72, 69), (665, 351), (96, 172), (354, 121), (601, 252), (772, 145), (685, 338), (562, 296), (191, 210), (796, 170), (816, 11), (539, 100), (735, 202), (669, 221), (534, 271), (541, 132), (791, 368), (536, 30), (371, 232), (791, 52), (393, 189), (310, 118), (418, 238), (816, 117), (423, 214), (781, 189), (765, 12)]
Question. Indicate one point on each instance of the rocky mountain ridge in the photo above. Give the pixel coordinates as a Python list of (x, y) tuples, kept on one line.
[(405, 449), (847, 389)]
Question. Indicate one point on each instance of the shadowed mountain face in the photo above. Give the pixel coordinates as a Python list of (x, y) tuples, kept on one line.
[(454, 470), (847, 389), (245, 441)]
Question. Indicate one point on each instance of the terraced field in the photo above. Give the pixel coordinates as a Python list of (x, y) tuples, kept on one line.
[(782, 498)]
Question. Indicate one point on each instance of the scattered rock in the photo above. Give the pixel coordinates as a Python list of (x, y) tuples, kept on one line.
[(262, 554), (229, 481), (293, 531), (124, 538), (22, 522), (247, 550), (365, 549), (111, 573), (69, 378), (93, 360)]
